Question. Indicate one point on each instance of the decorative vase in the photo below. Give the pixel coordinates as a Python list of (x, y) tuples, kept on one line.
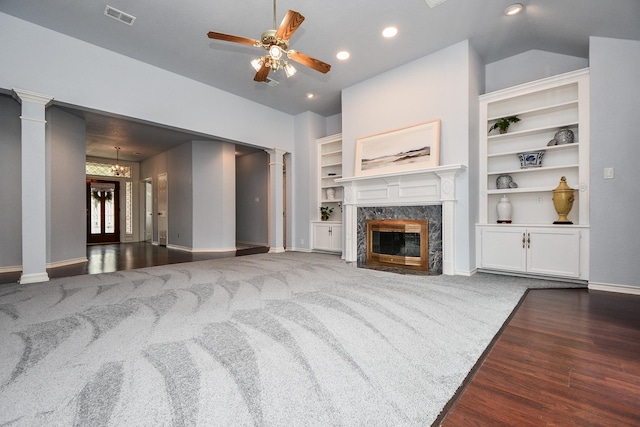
[(331, 193), (563, 136), (531, 159), (503, 181), (563, 198), (504, 211)]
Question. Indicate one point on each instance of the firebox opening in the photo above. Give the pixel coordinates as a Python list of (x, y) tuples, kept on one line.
[(399, 243)]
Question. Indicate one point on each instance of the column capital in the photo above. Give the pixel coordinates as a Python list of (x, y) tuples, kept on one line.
[(37, 98)]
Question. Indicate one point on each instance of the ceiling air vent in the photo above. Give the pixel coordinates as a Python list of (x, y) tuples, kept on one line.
[(271, 82), (119, 15), (434, 3)]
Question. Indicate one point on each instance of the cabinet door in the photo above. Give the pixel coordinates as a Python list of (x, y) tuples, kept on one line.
[(321, 237), (336, 237), (503, 248), (554, 252)]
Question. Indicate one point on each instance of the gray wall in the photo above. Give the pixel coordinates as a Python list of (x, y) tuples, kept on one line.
[(66, 199), (252, 198), (615, 142), (180, 196), (201, 194), (10, 184), (529, 66), (214, 196)]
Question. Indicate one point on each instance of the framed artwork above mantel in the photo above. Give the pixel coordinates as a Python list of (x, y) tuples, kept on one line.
[(405, 149)]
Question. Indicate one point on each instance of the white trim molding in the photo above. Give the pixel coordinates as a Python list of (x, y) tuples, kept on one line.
[(610, 287), (433, 186), (66, 262)]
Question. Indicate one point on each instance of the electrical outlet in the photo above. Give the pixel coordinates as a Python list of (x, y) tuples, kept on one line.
[(302, 241), (539, 200)]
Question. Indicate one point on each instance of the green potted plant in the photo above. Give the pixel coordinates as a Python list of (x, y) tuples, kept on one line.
[(504, 123), (325, 212)]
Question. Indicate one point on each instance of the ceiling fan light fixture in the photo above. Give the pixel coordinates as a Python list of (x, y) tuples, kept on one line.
[(275, 52), (514, 9), (289, 70)]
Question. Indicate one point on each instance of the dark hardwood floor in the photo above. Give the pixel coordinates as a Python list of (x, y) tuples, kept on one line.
[(567, 357), (126, 256)]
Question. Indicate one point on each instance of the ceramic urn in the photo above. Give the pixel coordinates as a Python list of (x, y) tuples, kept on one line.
[(563, 198)]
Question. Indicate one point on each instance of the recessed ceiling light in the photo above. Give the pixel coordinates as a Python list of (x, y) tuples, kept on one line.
[(342, 55), (137, 153), (389, 32), (310, 95), (514, 9)]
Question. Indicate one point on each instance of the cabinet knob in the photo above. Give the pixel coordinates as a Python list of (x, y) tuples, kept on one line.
[(528, 240), (523, 240)]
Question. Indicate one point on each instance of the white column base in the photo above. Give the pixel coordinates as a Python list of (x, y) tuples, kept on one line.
[(33, 278)]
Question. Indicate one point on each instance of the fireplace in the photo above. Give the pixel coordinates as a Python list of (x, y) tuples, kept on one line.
[(402, 243), (396, 191)]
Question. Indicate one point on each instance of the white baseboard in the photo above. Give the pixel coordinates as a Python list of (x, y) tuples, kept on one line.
[(307, 250), (209, 250), (276, 250), (610, 287), (66, 262), (466, 273), (244, 243), (63, 263)]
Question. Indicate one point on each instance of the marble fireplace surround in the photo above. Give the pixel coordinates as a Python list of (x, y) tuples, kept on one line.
[(433, 186)]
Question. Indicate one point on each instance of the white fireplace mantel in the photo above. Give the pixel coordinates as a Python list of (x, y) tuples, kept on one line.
[(432, 186)]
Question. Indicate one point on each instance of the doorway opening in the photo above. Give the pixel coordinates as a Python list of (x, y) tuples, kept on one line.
[(103, 211)]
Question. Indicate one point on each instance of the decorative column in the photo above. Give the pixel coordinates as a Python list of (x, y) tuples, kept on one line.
[(34, 186), (276, 200), (350, 223), (448, 198)]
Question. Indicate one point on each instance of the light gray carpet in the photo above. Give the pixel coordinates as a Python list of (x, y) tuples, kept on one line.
[(269, 340)]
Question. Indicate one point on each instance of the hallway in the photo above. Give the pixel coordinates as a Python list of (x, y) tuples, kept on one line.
[(127, 256)]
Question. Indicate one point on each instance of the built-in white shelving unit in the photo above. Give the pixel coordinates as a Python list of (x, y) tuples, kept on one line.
[(532, 244), (327, 235)]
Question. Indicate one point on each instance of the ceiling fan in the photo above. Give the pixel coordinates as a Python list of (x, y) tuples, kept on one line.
[(276, 43)]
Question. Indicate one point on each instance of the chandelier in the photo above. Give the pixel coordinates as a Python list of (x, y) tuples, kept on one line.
[(117, 169)]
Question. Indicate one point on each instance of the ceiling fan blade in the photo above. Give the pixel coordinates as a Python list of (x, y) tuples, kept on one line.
[(289, 25), (234, 39), (263, 72), (310, 62)]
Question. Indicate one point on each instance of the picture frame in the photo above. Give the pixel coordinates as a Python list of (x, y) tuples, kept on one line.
[(410, 148)]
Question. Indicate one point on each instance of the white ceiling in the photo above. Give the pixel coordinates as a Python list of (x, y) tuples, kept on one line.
[(172, 35)]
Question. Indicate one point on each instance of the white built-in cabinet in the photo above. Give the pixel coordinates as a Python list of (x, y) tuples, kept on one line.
[(327, 235), (532, 244)]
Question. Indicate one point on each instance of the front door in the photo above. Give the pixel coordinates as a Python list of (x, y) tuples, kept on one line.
[(103, 214)]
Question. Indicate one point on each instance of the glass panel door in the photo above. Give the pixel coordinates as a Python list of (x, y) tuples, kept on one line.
[(102, 212)]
